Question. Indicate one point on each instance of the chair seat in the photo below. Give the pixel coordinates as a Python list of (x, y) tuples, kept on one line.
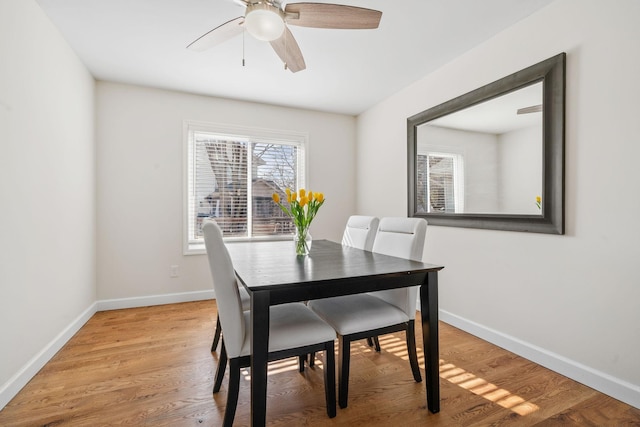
[(357, 313), (291, 326)]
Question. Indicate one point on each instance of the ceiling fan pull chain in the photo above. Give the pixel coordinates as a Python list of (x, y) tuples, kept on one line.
[(243, 32)]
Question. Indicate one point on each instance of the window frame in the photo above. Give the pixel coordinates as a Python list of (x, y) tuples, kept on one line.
[(233, 132)]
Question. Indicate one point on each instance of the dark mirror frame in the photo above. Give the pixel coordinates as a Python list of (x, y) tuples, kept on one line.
[(552, 73)]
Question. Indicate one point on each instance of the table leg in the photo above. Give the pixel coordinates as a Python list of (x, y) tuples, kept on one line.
[(430, 339), (259, 351)]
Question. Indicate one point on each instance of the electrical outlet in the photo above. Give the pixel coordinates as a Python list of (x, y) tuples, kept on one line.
[(173, 271)]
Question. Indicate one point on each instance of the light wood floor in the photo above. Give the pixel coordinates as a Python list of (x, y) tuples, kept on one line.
[(152, 367)]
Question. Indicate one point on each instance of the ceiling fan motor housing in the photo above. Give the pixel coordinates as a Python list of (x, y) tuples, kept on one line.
[(264, 21)]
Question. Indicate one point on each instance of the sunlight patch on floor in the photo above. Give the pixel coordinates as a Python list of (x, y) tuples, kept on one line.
[(463, 378), (482, 388)]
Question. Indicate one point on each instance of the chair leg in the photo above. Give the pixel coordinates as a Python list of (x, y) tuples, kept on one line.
[(222, 366), (411, 349), (232, 395), (376, 343), (216, 334), (344, 353), (301, 360), (330, 378), (373, 342)]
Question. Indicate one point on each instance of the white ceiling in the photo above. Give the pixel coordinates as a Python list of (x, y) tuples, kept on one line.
[(144, 42)]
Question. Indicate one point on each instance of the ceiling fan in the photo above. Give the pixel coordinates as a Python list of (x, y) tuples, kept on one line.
[(268, 20)]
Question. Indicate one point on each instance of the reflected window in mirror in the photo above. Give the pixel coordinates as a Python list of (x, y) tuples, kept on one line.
[(440, 185)]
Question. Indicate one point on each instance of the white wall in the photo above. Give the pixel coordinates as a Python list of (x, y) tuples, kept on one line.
[(572, 301), (140, 187), (47, 192)]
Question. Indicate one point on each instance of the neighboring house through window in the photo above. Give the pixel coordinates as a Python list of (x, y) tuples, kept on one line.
[(231, 175)]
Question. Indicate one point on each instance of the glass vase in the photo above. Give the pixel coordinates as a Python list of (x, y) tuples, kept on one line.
[(302, 241)]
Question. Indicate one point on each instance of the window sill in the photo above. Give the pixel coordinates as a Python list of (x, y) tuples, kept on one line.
[(197, 248)]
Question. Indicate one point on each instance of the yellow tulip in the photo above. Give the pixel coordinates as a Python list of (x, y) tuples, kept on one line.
[(310, 195), (302, 192), (320, 197), (538, 199), (276, 197), (294, 196), (303, 201)]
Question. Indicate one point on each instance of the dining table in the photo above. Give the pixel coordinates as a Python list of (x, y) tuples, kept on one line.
[(273, 274)]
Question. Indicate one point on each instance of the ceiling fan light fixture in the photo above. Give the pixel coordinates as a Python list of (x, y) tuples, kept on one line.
[(264, 21)]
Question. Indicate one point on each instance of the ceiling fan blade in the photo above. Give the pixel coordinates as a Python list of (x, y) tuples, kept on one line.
[(288, 50), (218, 35), (532, 109), (321, 15)]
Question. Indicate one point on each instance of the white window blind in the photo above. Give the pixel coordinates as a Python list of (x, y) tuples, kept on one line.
[(232, 174)]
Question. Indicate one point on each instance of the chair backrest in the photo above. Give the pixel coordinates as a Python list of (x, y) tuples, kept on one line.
[(226, 289), (402, 238), (360, 232)]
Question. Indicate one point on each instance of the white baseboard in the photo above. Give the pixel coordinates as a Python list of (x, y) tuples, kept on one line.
[(33, 366), (604, 383), (120, 303), (11, 388)]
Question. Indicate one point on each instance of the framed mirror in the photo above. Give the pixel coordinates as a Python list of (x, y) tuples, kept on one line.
[(494, 157)]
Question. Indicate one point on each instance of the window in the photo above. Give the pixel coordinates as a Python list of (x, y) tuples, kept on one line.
[(231, 174), (440, 183)]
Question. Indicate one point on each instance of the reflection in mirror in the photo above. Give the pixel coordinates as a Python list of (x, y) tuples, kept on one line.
[(486, 158), (494, 157)]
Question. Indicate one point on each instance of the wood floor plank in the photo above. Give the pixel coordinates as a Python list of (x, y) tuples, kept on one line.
[(152, 366)]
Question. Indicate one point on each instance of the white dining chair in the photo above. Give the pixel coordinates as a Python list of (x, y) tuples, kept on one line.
[(369, 315), (360, 232), (294, 330), (246, 305)]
